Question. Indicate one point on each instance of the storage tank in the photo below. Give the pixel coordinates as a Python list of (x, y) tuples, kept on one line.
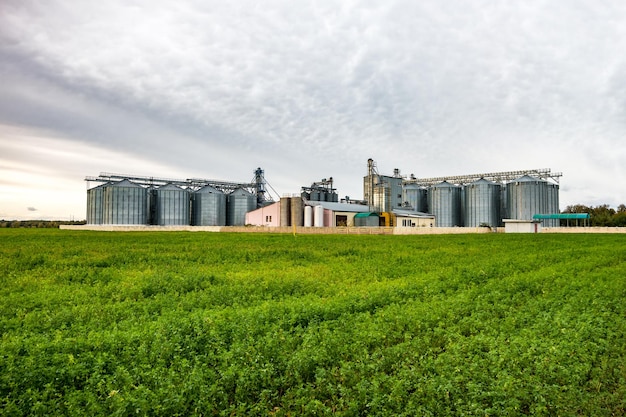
[(238, 203), (416, 196), (308, 216), (95, 204), (482, 204), (445, 204), (172, 206), (124, 203), (315, 195), (526, 197), (285, 211), (208, 207), (318, 216), (297, 212), (552, 204)]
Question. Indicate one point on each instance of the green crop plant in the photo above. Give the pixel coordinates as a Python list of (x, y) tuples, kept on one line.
[(179, 323)]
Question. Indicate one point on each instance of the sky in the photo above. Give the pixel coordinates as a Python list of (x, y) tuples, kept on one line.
[(307, 90)]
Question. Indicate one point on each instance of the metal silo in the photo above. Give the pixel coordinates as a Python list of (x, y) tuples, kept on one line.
[(308, 216), (208, 207), (95, 204), (124, 203), (172, 206), (445, 204), (482, 203), (526, 197), (416, 196), (238, 203), (318, 216), (552, 204), (315, 196)]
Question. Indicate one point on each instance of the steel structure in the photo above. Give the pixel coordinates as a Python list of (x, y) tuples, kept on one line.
[(499, 177)]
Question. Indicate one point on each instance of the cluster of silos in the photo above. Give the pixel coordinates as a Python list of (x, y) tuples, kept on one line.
[(484, 202), (127, 203), (321, 195), (293, 212)]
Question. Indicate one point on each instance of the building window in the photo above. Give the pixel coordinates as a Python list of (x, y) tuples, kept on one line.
[(268, 219)]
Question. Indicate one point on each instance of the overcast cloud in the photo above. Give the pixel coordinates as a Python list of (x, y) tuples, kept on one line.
[(308, 90)]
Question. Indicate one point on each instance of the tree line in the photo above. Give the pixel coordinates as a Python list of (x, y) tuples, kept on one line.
[(39, 224), (602, 215)]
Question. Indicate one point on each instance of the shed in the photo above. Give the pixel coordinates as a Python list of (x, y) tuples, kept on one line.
[(522, 226), (565, 216), (368, 219), (408, 218)]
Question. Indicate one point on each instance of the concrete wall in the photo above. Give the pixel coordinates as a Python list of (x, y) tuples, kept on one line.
[(334, 230)]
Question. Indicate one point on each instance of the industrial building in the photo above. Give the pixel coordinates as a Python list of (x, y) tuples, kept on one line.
[(135, 200), (476, 200), (467, 200)]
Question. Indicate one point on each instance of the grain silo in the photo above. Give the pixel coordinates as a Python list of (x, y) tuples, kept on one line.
[(318, 216), (238, 203), (297, 212), (124, 203), (285, 211), (552, 204), (208, 207), (445, 204), (172, 206), (95, 198), (482, 204), (416, 197), (526, 197), (308, 216)]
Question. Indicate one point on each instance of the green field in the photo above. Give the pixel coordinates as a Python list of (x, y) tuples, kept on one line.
[(179, 323)]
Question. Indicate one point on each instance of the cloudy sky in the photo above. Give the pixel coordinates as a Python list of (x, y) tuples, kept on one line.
[(307, 90)]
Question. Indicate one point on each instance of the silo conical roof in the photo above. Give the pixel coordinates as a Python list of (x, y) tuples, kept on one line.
[(209, 189), (125, 183), (171, 187)]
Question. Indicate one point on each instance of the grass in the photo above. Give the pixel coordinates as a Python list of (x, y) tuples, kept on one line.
[(100, 323)]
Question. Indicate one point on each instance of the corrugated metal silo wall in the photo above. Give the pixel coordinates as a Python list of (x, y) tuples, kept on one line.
[(445, 205), (504, 204), (237, 205), (95, 205), (412, 196), (209, 209), (172, 207), (125, 205), (526, 198), (552, 204), (482, 204)]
